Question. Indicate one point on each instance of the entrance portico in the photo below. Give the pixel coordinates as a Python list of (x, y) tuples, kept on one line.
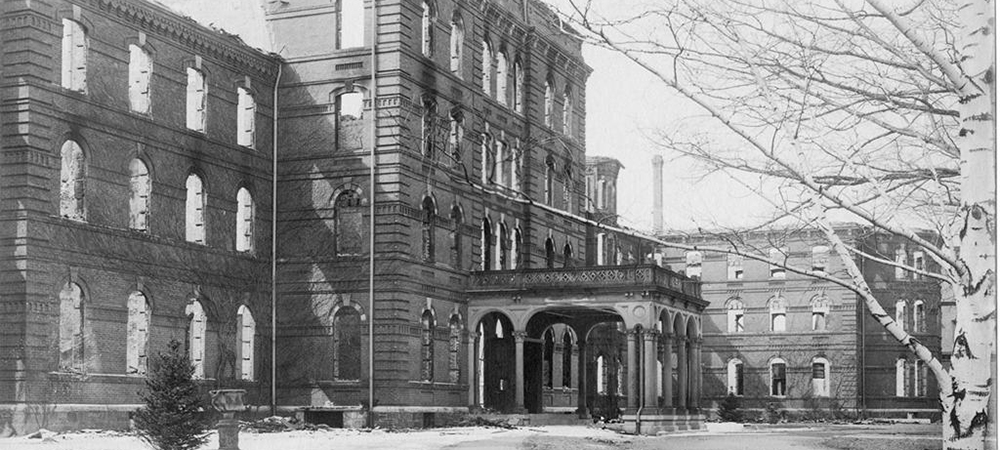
[(541, 342)]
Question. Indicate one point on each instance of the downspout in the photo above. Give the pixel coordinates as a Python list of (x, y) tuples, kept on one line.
[(371, 220), (274, 244)]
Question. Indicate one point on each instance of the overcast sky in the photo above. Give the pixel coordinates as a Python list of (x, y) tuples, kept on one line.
[(625, 107)]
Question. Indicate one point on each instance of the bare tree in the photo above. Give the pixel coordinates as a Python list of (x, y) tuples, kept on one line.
[(881, 114)]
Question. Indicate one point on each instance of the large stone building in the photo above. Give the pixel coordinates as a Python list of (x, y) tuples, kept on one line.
[(807, 345), (137, 203)]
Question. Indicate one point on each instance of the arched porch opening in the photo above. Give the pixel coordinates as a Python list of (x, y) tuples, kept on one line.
[(493, 355)]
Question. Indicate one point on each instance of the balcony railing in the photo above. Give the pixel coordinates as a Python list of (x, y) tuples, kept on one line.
[(645, 277)]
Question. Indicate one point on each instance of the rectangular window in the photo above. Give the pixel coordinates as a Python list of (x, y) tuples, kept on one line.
[(778, 382), (777, 255), (735, 265), (821, 386), (777, 321), (735, 320), (693, 260), (819, 321), (140, 72), (900, 259), (820, 258), (918, 263), (197, 100), (74, 56)]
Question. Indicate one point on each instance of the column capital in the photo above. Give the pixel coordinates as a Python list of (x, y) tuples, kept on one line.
[(650, 335), (520, 336)]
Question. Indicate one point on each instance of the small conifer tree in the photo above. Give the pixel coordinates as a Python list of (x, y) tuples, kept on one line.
[(729, 409), (172, 418)]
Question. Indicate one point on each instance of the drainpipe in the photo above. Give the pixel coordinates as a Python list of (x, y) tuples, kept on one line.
[(371, 220), (274, 244)]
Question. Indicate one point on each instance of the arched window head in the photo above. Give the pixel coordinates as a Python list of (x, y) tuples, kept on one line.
[(427, 346), (245, 118), (549, 102), (457, 44), (74, 56), (197, 100), (734, 377), (487, 245), (735, 311), (140, 188), (347, 344), (550, 253), (427, 28), (140, 73), (244, 221), (349, 226), (779, 380), (71, 345), (247, 332), (487, 68), (567, 113), (137, 334), (777, 307), (518, 87), (73, 185), (503, 74), (194, 210), (197, 325), (351, 24), (351, 130), (428, 212)]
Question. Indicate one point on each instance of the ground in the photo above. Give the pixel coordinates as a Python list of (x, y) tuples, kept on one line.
[(824, 437)]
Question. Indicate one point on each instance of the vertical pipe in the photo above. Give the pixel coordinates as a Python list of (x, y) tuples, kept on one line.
[(371, 220), (657, 194), (274, 245)]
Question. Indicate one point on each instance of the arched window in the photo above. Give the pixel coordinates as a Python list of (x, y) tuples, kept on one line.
[(516, 249), (348, 222), (734, 315), (734, 377), (197, 99), (74, 56), (194, 210), (502, 161), (456, 135), (900, 272), (549, 102), (693, 264), (777, 307), (919, 379), (197, 325), (568, 188), (347, 344), (247, 331), (503, 241), (567, 255), (351, 131), (515, 166), (779, 382), (140, 72), (820, 377), (456, 236), (428, 212), (567, 359), (71, 308), (137, 334), (428, 125), (457, 44), (503, 74), (427, 28), (919, 316), (550, 171), (820, 258), (820, 311), (140, 187), (901, 313), (487, 245), (518, 86), (487, 68), (73, 182), (548, 354), (489, 163), (602, 377), (454, 346), (568, 111), (901, 378), (427, 346), (550, 253), (244, 221), (351, 24), (245, 118)]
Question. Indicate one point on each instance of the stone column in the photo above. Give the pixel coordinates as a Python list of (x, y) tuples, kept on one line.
[(580, 373), (519, 368), (693, 369), (697, 374), (557, 366), (668, 371), (632, 361), (682, 373), (649, 360), (574, 367), (473, 376)]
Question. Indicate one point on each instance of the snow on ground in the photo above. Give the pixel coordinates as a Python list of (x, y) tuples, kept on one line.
[(313, 440)]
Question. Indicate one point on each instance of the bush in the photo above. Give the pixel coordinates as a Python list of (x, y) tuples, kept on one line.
[(729, 409), (172, 418), (773, 412)]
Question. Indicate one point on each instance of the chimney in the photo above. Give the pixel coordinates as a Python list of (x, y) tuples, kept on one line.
[(657, 194)]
